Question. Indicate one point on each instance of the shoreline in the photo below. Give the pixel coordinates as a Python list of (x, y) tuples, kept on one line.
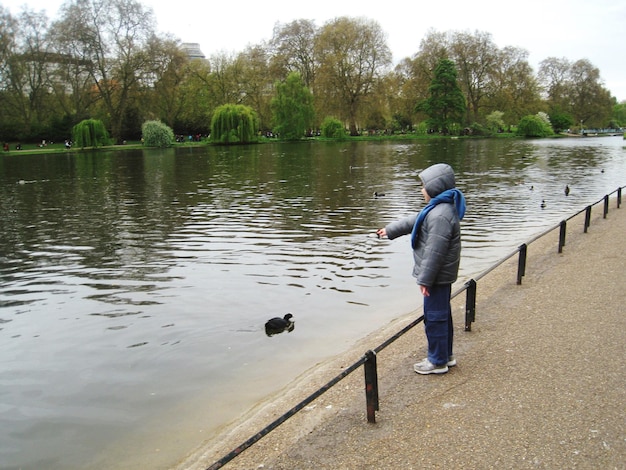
[(59, 148)]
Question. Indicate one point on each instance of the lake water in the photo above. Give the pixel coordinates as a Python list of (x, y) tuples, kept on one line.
[(134, 285)]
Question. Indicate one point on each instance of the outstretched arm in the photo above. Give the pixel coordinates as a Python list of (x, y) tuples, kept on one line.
[(397, 229)]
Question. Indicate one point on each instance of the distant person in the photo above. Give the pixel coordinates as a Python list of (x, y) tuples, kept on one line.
[(5, 147), (436, 241)]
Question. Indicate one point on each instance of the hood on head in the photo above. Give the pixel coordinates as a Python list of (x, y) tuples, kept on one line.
[(437, 179)]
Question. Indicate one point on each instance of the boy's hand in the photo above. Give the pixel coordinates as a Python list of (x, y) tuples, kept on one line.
[(425, 291), (381, 232)]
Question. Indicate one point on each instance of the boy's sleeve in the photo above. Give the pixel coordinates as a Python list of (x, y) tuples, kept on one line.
[(401, 227)]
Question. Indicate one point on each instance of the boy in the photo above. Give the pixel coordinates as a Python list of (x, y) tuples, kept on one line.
[(436, 241)]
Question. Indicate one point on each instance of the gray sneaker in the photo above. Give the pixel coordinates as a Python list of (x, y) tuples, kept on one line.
[(451, 361), (426, 367)]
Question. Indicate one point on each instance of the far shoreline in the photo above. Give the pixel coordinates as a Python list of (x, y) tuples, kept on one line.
[(56, 148)]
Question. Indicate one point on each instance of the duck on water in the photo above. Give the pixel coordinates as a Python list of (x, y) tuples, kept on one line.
[(277, 325)]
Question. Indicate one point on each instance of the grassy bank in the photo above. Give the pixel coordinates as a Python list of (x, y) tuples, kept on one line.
[(54, 148)]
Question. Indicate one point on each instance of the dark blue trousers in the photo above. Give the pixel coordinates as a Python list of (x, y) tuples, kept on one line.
[(438, 323)]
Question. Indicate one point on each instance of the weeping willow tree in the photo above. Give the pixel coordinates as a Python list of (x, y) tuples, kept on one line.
[(90, 133), (234, 124)]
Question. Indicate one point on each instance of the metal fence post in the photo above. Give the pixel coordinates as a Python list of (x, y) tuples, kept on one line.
[(521, 263), (371, 386), (587, 218), (562, 235), (619, 197), (470, 304), (606, 206)]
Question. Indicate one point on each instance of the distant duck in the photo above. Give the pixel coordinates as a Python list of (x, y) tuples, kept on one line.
[(566, 190), (543, 203), (532, 187), (277, 325), (377, 194)]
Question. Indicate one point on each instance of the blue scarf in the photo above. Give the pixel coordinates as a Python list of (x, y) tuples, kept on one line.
[(449, 196)]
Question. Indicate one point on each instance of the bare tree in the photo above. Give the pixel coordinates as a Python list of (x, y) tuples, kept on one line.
[(514, 88), (553, 77), (576, 89), (257, 84), (25, 71), (591, 102), (292, 50), (164, 94), (112, 36), (475, 56), (7, 42), (71, 79), (352, 54)]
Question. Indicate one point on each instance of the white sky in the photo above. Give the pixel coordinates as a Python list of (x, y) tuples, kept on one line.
[(574, 29)]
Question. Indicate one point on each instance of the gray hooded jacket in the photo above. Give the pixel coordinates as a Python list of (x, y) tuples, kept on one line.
[(438, 252)]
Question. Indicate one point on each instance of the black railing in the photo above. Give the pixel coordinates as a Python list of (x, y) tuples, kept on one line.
[(369, 359)]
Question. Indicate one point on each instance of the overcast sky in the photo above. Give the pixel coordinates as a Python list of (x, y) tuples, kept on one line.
[(574, 29)]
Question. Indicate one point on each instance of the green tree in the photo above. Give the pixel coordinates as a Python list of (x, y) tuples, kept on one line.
[(619, 114), (90, 133), (198, 98), (234, 124), (209, 84), (332, 128), (292, 108), (534, 126), (446, 104), (157, 134), (560, 121), (495, 122)]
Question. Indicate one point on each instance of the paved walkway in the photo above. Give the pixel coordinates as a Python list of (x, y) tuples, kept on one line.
[(541, 379)]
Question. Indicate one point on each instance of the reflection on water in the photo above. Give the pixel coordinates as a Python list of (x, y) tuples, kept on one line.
[(135, 285)]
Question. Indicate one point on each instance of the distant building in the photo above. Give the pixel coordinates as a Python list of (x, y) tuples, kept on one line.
[(192, 49)]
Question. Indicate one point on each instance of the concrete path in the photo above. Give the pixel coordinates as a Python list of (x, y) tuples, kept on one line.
[(540, 381)]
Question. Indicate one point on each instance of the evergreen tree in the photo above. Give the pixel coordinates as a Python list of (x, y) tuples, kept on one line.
[(446, 104)]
